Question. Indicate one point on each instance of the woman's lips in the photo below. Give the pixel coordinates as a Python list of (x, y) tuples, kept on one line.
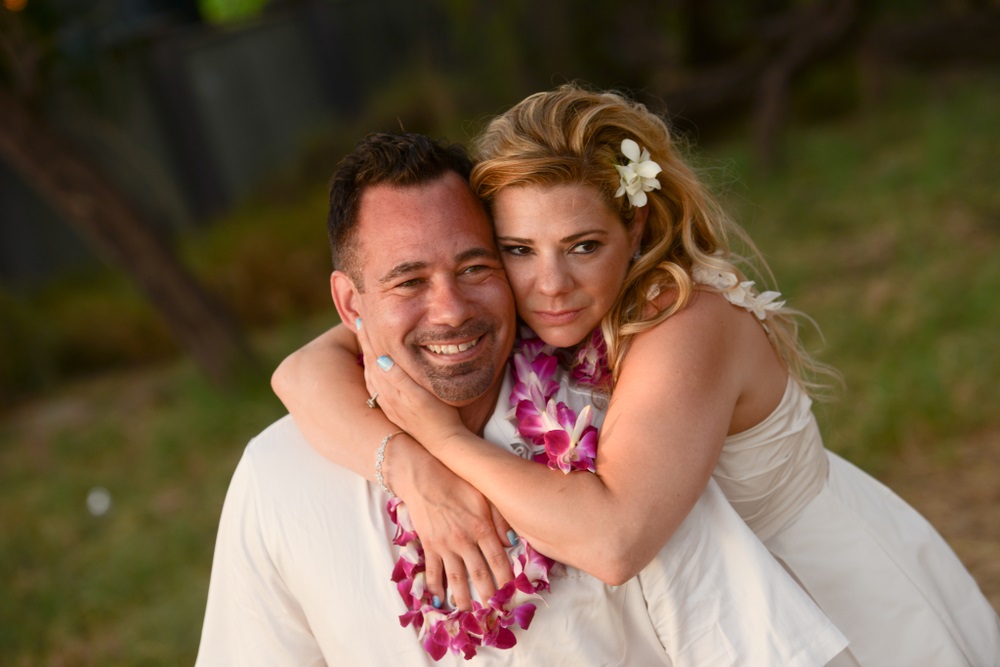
[(557, 316)]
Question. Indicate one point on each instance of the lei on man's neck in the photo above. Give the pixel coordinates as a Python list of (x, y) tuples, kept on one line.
[(556, 436)]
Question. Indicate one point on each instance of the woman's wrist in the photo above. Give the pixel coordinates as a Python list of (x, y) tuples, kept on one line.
[(403, 463), (380, 461)]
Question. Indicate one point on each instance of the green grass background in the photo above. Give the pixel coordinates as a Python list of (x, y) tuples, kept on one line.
[(883, 224)]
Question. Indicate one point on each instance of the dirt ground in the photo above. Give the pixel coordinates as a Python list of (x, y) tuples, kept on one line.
[(961, 497)]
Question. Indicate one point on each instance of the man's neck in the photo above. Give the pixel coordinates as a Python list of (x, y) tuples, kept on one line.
[(476, 414)]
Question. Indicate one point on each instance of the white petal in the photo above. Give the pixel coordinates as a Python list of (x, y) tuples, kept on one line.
[(648, 169), (630, 149), (767, 297), (638, 199)]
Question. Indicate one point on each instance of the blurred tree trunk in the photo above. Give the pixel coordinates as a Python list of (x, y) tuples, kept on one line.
[(98, 210), (815, 32)]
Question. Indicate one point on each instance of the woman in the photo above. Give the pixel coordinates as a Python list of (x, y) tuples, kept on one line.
[(600, 223)]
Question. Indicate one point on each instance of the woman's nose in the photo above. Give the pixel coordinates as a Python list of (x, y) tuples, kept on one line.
[(553, 277)]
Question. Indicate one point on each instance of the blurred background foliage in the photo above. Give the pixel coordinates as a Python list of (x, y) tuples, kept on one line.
[(857, 142)]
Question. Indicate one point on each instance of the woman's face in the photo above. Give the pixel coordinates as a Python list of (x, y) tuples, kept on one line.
[(566, 254)]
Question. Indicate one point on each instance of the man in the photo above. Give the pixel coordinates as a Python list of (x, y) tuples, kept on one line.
[(302, 563)]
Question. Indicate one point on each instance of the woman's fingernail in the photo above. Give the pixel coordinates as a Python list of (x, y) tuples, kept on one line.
[(384, 362), (357, 323), (512, 537), (436, 601)]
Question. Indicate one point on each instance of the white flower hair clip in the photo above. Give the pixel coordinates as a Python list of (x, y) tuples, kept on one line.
[(639, 176)]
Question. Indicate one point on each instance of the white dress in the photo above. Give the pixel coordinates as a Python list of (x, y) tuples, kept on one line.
[(877, 568)]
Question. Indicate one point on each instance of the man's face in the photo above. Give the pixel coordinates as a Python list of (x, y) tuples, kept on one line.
[(435, 296)]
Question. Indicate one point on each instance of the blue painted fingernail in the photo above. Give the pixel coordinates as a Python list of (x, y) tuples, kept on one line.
[(512, 537), (385, 363), (436, 601), (357, 323)]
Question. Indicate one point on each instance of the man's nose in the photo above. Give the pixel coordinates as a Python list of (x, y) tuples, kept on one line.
[(448, 304)]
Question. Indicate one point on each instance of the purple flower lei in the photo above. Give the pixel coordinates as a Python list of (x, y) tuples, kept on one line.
[(561, 439)]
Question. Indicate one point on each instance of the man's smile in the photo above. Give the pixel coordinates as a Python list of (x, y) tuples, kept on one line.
[(449, 349)]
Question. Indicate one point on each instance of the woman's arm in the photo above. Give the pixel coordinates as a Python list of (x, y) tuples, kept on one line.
[(682, 387), (322, 385)]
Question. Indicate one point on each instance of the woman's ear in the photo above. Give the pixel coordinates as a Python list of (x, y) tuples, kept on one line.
[(346, 297), (638, 227)]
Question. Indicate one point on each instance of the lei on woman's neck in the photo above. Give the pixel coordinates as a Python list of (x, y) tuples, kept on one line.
[(556, 436)]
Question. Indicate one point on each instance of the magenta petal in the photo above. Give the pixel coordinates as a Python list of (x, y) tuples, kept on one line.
[(530, 423), (557, 443), (565, 416), (503, 595), (524, 614), (544, 366), (434, 645), (504, 639), (588, 443)]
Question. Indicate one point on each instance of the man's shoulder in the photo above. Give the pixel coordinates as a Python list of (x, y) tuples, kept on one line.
[(278, 432), (281, 456), (279, 439)]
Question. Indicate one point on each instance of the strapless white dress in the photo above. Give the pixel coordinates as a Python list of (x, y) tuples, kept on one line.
[(877, 568)]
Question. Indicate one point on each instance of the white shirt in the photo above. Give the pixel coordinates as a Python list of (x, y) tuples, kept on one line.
[(304, 554)]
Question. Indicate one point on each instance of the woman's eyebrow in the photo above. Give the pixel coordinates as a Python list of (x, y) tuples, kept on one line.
[(565, 239)]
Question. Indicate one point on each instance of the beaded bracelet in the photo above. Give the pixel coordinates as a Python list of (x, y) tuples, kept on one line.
[(379, 459)]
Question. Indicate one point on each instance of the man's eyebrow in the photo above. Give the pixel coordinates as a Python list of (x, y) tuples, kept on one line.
[(407, 268), (401, 270), (476, 253)]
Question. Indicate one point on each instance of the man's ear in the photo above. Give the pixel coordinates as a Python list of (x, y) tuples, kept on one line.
[(346, 298)]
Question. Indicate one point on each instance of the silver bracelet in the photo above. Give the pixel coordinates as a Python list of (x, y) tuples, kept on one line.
[(379, 459)]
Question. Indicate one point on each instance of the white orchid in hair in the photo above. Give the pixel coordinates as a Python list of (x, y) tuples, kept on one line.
[(638, 176)]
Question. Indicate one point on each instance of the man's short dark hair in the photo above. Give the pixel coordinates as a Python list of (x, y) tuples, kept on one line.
[(383, 158)]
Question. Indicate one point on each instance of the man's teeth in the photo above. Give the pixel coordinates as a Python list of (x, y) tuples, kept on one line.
[(452, 349)]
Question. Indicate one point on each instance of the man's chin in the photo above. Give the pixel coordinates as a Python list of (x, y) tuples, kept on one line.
[(461, 388)]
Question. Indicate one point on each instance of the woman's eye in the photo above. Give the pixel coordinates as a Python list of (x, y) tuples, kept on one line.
[(517, 250), (585, 247)]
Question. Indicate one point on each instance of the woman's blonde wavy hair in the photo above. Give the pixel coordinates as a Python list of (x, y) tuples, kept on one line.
[(572, 135)]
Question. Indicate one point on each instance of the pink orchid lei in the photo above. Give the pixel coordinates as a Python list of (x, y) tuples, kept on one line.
[(560, 439)]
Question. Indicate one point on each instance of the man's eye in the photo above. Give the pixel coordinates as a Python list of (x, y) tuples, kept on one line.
[(412, 282), (475, 269), (585, 247), (516, 250)]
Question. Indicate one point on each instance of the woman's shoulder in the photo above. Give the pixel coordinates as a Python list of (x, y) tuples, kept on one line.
[(708, 334), (706, 322), (704, 306)]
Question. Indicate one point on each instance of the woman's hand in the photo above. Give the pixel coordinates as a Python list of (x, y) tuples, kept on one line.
[(462, 534), (414, 409)]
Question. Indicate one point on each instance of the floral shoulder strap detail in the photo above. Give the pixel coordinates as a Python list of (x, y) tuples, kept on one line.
[(739, 293)]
